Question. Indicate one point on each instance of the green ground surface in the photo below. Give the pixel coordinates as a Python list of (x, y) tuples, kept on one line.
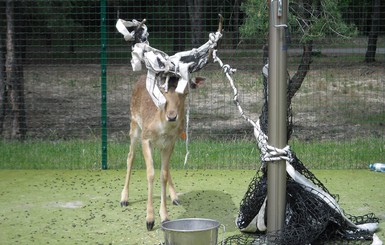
[(82, 207)]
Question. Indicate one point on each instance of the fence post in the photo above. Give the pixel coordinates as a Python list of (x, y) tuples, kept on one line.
[(103, 64), (277, 128)]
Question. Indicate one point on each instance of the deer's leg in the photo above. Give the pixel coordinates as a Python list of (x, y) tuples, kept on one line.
[(134, 133), (164, 178), (147, 153), (171, 188)]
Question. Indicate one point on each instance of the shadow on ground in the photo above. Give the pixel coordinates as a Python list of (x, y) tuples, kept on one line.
[(210, 204)]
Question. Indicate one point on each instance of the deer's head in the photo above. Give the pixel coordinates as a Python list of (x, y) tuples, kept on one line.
[(175, 102)]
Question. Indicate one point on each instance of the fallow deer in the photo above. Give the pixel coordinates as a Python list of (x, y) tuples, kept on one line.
[(156, 128)]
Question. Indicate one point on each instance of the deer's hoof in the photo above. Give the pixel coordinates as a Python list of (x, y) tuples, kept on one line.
[(124, 203), (176, 202), (150, 225)]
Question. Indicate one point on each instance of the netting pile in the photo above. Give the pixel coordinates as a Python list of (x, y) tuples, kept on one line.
[(312, 214)]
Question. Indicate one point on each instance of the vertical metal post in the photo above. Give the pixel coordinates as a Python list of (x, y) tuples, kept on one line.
[(103, 63), (277, 104)]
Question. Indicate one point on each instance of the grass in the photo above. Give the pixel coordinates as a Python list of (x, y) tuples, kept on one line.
[(204, 154), (38, 154), (82, 206), (354, 154)]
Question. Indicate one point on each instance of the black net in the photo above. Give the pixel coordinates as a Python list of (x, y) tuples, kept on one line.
[(312, 214)]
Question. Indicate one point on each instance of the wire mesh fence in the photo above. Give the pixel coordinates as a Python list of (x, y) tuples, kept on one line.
[(57, 50)]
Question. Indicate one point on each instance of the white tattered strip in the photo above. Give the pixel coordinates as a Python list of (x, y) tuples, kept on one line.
[(158, 63)]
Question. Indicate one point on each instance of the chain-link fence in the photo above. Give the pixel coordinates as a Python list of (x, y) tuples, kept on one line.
[(51, 86)]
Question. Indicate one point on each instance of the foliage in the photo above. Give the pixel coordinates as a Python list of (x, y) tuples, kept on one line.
[(54, 16), (310, 20)]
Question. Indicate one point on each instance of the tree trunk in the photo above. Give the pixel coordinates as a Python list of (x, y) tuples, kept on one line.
[(3, 90), (236, 11), (294, 84), (370, 55), (302, 70), (14, 77), (71, 48), (195, 9)]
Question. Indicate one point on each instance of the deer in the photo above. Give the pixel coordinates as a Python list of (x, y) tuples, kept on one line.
[(156, 128)]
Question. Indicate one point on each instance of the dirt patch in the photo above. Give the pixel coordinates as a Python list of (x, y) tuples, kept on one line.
[(333, 102)]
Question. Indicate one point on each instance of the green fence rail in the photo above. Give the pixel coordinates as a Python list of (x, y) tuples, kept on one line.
[(103, 66)]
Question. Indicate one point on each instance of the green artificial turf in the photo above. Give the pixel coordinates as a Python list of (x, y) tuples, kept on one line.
[(82, 206)]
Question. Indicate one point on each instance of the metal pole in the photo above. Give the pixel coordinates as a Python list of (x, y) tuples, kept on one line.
[(277, 105), (103, 63)]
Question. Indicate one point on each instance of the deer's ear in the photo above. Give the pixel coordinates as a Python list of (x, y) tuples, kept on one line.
[(199, 80), (197, 83)]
